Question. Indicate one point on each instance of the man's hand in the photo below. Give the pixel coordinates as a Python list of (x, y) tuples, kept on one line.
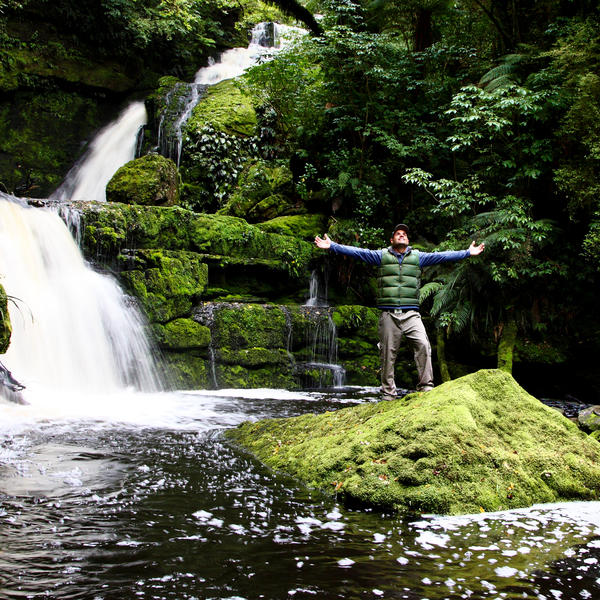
[(475, 249), (323, 242)]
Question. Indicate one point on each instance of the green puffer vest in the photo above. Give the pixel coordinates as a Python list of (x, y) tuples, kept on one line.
[(398, 284)]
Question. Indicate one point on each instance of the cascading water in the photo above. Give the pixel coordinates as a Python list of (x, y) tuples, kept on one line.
[(266, 38), (321, 337), (114, 145), (73, 330)]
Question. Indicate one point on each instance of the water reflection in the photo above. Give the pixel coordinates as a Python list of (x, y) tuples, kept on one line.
[(102, 508)]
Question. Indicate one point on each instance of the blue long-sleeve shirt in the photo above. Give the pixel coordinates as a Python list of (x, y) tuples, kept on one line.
[(373, 257)]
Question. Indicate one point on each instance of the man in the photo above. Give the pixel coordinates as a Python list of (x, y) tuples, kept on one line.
[(399, 280)]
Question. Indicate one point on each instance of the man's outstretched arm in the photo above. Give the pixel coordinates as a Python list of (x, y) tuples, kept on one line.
[(371, 257), (426, 259)]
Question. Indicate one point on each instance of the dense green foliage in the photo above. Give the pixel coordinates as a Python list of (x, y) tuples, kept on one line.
[(162, 33), (475, 119), (470, 120)]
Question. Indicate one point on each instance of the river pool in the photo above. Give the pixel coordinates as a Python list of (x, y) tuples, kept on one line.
[(140, 496)]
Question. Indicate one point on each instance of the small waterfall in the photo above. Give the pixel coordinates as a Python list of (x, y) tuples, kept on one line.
[(74, 331), (322, 368), (317, 293), (112, 147)]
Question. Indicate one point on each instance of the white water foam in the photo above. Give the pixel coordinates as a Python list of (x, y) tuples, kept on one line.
[(74, 331)]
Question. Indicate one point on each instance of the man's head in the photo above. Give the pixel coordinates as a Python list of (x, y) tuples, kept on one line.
[(399, 239)]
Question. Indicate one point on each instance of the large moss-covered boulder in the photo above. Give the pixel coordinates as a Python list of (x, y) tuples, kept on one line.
[(166, 283), (150, 180), (478, 443), (226, 108), (5, 326)]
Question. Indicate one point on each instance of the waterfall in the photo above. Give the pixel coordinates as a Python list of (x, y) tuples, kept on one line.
[(321, 338), (266, 38), (112, 147), (317, 293), (74, 331)]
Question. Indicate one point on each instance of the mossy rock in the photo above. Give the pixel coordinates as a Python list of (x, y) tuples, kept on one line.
[(479, 443), (253, 357), (243, 326), (150, 180), (237, 376), (181, 334), (305, 227), (53, 60), (167, 283), (589, 418), (111, 226), (5, 325), (226, 108), (186, 371), (264, 191)]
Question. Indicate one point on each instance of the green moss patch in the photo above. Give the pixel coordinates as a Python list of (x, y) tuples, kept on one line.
[(149, 180), (181, 334), (111, 226), (300, 226), (226, 108), (166, 283), (479, 443), (5, 326)]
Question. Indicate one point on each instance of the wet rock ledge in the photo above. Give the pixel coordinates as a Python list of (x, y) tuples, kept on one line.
[(478, 443)]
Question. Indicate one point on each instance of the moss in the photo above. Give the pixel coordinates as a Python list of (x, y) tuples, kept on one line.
[(236, 376), (264, 191), (111, 226), (253, 357), (59, 60), (187, 371), (476, 443), (356, 320), (181, 333), (245, 326), (589, 418), (304, 227), (226, 108), (149, 180), (166, 283), (5, 325)]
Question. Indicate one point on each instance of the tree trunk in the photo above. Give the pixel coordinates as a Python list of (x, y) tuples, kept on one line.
[(506, 345), (441, 354), (423, 30)]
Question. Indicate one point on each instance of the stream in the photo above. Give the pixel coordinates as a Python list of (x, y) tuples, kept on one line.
[(137, 495)]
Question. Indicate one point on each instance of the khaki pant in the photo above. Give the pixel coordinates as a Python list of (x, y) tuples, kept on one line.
[(392, 327)]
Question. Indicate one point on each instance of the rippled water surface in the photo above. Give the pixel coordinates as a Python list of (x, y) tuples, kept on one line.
[(141, 497)]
